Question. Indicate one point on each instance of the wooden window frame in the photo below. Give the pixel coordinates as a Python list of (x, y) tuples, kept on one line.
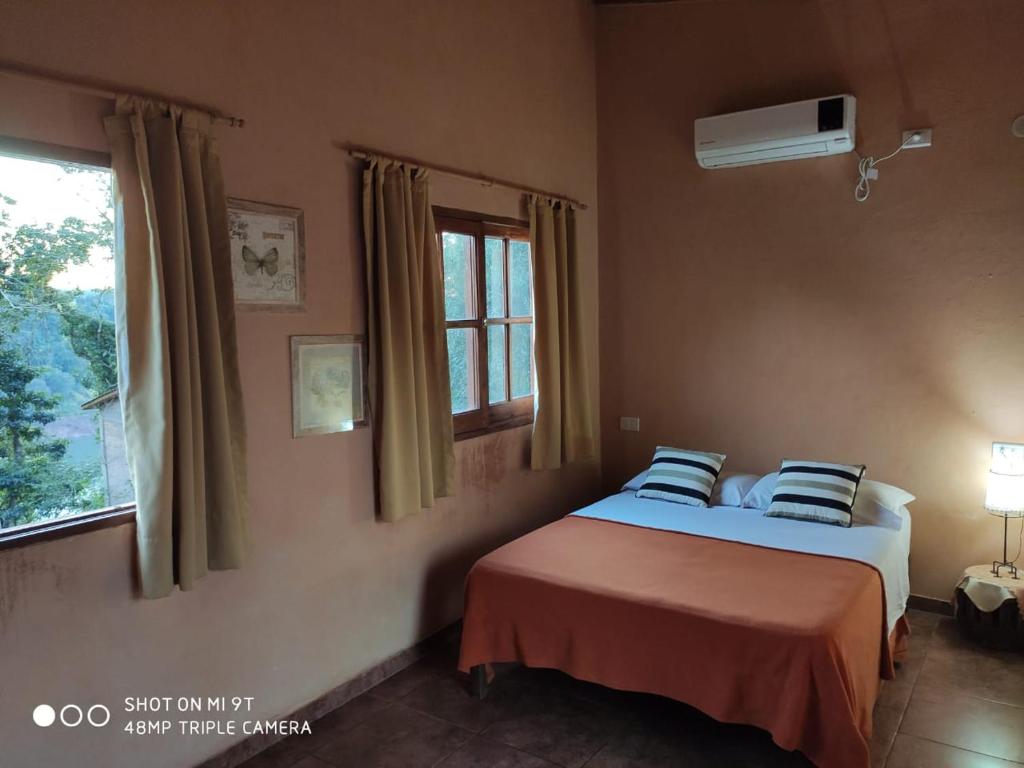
[(97, 519), (487, 417)]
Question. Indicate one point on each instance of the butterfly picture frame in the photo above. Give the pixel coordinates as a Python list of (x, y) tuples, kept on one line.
[(268, 256)]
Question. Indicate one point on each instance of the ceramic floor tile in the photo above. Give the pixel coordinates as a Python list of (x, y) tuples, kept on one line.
[(645, 747), (483, 753), (396, 737), (912, 752), (448, 698), (337, 722), (954, 663), (963, 721), (886, 722), (311, 761), (284, 754), (404, 681), (560, 729), (922, 622)]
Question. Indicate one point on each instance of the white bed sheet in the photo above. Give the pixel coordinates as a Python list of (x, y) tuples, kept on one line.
[(884, 549)]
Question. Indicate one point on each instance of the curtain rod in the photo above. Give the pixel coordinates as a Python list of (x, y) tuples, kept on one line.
[(105, 90), (364, 153)]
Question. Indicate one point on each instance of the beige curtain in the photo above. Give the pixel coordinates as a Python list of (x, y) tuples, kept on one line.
[(563, 427), (178, 370), (410, 399)]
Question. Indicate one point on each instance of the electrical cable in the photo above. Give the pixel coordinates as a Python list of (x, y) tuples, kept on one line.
[(1020, 543), (866, 168)]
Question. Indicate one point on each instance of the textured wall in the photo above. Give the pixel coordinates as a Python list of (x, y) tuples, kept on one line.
[(328, 590), (761, 311)]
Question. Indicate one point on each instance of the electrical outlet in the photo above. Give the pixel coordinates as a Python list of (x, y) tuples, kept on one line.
[(919, 138), (629, 423)]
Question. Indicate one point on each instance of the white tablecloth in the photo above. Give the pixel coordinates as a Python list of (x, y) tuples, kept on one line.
[(988, 592)]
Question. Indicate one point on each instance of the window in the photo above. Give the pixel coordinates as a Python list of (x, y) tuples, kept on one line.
[(488, 302), (62, 449)]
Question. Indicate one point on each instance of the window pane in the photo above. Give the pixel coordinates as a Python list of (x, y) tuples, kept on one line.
[(459, 296), (522, 359), (494, 261), (462, 355), (61, 440), (496, 363), (520, 300)]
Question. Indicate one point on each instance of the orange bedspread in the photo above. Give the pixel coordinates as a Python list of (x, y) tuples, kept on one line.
[(789, 642)]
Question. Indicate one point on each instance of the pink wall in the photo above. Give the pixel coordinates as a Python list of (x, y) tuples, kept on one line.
[(761, 311), (507, 89)]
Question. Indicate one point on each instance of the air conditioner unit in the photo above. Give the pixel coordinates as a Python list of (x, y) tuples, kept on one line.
[(812, 128)]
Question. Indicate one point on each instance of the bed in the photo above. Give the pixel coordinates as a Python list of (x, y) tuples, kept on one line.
[(781, 624)]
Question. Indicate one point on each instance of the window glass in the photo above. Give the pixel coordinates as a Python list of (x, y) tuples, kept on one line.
[(61, 437), (521, 358), (462, 369), (520, 299), (496, 363), (459, 296), (494, 266)]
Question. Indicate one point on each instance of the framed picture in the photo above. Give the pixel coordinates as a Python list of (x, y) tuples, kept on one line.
[(328, 392), (268, 256)]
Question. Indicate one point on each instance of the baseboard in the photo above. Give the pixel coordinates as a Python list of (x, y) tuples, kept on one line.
[(253, 745), (930, 604)]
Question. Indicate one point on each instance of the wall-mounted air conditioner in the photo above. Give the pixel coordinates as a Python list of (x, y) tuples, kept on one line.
[(812, 128)]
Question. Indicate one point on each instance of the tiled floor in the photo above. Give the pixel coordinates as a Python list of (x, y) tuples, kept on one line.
[(953, 705)]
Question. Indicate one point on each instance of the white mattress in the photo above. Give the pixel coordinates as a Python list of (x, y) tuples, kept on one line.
[(885, 549)]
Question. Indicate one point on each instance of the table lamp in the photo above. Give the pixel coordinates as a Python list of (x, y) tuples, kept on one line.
[(1005, 496)]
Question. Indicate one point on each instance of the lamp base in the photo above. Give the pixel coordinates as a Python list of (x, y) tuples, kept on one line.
[(998, 566)]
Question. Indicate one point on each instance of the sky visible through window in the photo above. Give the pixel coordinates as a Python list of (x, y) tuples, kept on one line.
[(57, 344)]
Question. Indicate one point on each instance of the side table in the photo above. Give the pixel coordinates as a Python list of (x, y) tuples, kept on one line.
[(990, 609)]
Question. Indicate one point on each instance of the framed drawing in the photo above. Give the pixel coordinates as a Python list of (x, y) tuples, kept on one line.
[(268, 256), (328, 392)]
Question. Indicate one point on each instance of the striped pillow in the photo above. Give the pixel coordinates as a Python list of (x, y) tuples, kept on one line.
[(685, 477), (816, 491)]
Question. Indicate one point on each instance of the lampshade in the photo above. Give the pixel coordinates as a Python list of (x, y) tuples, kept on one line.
[(1005, 494)]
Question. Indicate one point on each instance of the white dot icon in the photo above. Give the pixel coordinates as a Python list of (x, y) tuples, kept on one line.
[(44, 715)]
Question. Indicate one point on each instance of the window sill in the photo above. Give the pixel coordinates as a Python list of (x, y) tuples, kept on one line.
[(51, 530), (498, 426)]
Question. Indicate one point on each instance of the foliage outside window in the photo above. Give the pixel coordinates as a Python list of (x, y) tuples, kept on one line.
[(489, 318), (57, 352)]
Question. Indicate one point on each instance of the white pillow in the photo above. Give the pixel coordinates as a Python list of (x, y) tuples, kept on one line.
[(889, 496), (879, 504), (635, 483), (760, 496), (729, 491), (732, 488), (876, 503)]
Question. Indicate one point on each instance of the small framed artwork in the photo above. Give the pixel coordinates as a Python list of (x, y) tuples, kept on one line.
[(268, 256), (328, 392)]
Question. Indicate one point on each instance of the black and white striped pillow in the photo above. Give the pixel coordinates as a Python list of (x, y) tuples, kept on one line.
[(685, 477), (816, 491)]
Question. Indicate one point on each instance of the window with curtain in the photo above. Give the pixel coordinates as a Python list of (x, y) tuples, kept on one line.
[(488, 293), (62, 451)]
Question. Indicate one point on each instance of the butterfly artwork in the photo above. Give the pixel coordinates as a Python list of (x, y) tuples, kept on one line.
[(253, 263), (267, 256)]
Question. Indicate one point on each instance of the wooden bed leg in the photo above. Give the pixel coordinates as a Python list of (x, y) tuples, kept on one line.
[(478, 681)]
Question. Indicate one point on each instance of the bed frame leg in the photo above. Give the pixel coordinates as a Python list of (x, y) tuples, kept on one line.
[(478, 681)]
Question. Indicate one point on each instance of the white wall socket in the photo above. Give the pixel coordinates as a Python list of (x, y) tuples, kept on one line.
[(629, 423), (920, 141)]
